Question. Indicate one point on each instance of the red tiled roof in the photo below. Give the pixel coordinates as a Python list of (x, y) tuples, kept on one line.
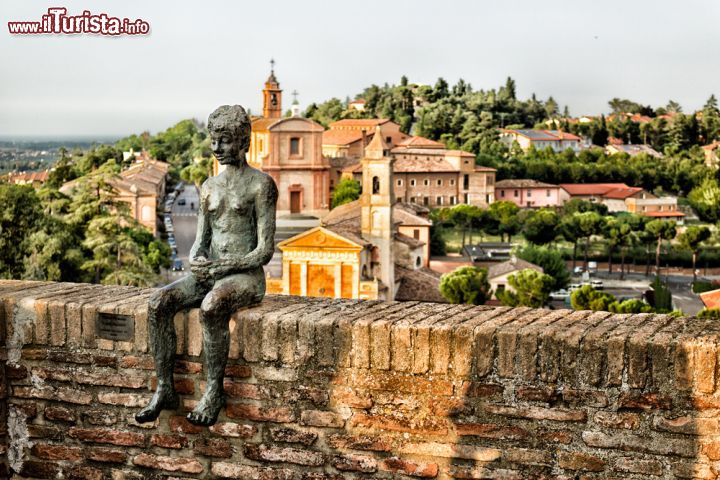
[(421, 142), (341, 137), (262, 124), (28, 177), (614, 141), (711, 299), (610, 190), (663, 214)]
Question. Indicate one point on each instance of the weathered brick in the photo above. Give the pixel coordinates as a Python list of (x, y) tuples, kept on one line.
[(538, 413), (448, 450), (290, 435), (488, 473), (105, 435), (660, 446), (57, 452), (360, 442), (580, 461), (490, 430), (480, 390), (213, 447), (348, 396), (36, 469), (589, 398), (106, 455), (81, 472), (536, 394), (320, 418), (60, 414), (260, 414), (49, 393), (395, 381), (181, 424), (644, 401), (628, 421), (354, 463), (238, 371), (236, 430), (266, 453), (687, 425), (168, 464), (125, 399), (407, 424), (633, 465), (100, 417), (408, 467), (245, 390), (247, 472), (165, 440)]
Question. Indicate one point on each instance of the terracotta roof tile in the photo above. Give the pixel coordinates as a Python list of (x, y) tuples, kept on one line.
[(359, 122), (711, 299), (341, 137)]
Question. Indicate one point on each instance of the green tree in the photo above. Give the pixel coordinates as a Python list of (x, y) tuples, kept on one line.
[(326, 112), (347, 190), (691, 239), (709, 313), (530, 288), (504, 218), (587, 298), (550, 260), (465, 217), (541, 227), (197, 172), (631, 305), (705, 199), (466, 285), (660, 230), (589, 224), (21, 215), (618, 233)]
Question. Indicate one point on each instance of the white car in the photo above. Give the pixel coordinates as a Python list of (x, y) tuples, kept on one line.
[(597, 284), (560, 295)]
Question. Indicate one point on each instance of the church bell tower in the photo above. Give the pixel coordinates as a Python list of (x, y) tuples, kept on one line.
[(272, 95), (376, 207)]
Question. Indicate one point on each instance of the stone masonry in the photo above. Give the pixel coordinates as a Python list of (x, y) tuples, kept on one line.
[(341, 389)]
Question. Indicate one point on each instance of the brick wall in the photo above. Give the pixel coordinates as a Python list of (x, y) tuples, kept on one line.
[(342, 389)]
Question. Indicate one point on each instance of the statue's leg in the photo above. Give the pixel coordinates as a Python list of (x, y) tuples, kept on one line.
[(228, 294), (162, 307)]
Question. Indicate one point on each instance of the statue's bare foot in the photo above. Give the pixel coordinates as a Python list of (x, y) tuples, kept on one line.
[(162, 400), (208, 409)]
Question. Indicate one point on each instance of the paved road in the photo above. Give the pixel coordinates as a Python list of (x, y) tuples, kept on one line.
[(185, 224)]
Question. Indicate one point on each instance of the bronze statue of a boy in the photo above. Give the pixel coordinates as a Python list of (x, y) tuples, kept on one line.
[(235, 238)]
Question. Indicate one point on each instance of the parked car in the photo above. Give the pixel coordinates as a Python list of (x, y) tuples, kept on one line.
[(578, 270), (574, 286), (592, 266), (182, 201), (177, 265), (560, 295), (597, 284)]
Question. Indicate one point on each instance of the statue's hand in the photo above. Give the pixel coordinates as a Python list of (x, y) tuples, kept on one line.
[(222, 268), (200, 268)]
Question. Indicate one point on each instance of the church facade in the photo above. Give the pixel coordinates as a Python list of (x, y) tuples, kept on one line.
[(289, 149)]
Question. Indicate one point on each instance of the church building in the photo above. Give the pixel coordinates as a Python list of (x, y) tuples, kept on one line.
[(289, 149)]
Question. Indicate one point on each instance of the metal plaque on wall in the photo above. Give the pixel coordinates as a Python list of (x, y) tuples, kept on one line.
[(112, 326)]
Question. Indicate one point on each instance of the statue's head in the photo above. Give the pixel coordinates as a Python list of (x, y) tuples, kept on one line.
[(229, 128)]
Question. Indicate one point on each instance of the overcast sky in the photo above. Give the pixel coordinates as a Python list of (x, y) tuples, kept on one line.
[(203, 54)]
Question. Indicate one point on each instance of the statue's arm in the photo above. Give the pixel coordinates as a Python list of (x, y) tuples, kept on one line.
[(201, 246), (265, 205)]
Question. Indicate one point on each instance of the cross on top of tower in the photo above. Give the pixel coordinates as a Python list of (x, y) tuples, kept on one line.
[(295, 93), (272, 64)]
